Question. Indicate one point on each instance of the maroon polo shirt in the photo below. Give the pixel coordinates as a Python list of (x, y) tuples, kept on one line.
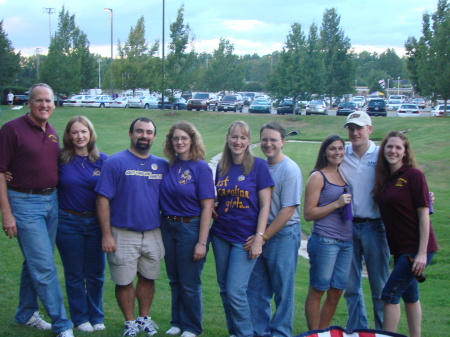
[(29, 153), (405, 191)]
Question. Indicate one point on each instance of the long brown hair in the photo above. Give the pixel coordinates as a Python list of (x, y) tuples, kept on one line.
[(226, 160), (68, 150), (382, 170), (196, 151), (322, 160)]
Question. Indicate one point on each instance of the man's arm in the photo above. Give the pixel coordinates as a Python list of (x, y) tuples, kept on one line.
[(280, 220), (103, 213), (8, 220)]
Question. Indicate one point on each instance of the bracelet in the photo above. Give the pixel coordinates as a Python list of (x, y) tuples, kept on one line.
[(263, 236), (202, 243)]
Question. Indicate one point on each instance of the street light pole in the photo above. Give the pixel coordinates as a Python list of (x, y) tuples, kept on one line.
[(388, 86), (49, 11), (398, 87), (111, 68), (37, 64), (163, 64), (99, 76)]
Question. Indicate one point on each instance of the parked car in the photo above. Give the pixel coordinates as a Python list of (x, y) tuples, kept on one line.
[(99, 101), (408, 110), (346, 108), (119, 102), (178, 104), (286, 106), (420, 102), (316, 107), (394, 104), (202, 101), (438, 110), (76, 100), (376, 107), (143, 102), (360, 101), (260, 106), (247, 100), (231, 102), (20, 100)]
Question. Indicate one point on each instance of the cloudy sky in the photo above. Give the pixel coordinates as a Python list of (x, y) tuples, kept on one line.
[(253, 26)]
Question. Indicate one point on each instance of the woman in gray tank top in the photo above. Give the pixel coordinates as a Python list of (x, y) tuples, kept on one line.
[(330, 244)]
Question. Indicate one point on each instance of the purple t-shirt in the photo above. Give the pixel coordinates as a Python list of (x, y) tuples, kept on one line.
[(29, 153), (238, 201), (77, 180), (132, 186), (405, 191), (183, 186)]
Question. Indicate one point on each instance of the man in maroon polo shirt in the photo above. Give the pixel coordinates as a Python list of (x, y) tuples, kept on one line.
[(29, 149)]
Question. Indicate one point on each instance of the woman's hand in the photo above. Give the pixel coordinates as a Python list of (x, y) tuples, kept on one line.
[(199, 251), (419, 264), (344, 199)]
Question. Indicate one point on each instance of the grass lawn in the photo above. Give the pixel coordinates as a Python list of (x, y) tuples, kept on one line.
[(430, 139)]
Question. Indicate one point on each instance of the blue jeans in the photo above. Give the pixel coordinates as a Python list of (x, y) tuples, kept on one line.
[(37, 220), (330, 261), (79, 241), (273, 277), (402, 282), (233, 268), (184, 273), (370, 246)]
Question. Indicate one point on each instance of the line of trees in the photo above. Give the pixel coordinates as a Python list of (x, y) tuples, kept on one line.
[(319, 62)]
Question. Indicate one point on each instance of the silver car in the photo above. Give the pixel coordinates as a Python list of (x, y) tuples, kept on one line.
[(317, 107), (143, 102)]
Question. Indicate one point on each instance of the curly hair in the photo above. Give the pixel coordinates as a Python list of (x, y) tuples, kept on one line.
[(196, 151)]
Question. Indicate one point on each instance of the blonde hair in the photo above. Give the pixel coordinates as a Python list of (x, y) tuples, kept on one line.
[(227, 159), (68, 150)]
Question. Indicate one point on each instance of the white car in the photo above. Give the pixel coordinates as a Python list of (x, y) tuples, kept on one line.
[(360, 101), (438, 110), (119, 102), (394, 104), (143, 102), (76, 100), (408, 110), (99, 101)]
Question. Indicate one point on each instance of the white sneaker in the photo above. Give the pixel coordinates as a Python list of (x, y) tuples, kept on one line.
[(67, 333), (86, 327), (99, 327), (188, 334), (36, 321), (147, 325), (173, 331)]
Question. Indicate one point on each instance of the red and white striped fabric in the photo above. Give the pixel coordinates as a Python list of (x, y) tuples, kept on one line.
[(337, 331)]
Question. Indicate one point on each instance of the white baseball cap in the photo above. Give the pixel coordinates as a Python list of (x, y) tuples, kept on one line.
[(360, 118)]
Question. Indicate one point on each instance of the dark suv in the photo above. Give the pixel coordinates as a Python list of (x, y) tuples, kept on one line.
[(231, 102), (376, 107)]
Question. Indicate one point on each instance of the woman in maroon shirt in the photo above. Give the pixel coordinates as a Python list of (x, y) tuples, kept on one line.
[(402, 195)]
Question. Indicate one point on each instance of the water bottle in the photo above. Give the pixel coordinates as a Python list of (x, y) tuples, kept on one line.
[(347, 212), (430, 209), (420, 278)]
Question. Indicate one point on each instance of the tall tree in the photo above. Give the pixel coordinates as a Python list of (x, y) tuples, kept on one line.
[(136, 67), (224, 71), (288, 79), (9, 60), (179, 63), (427, 57), (338, 68), (69, 66)]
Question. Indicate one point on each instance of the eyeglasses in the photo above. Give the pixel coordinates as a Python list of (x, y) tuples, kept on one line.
[(183, 139), (272, 140)]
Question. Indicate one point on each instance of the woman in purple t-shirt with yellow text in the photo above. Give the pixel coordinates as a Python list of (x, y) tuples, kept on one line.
[(244, 188), (402, 194)]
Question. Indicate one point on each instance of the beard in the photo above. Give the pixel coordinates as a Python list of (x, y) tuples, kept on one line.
[(142, 146)]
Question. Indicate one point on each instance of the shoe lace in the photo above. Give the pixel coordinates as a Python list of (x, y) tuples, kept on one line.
[(148, 325), (129, 329), (38, 319)]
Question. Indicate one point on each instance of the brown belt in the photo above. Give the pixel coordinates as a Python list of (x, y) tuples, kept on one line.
[(46, 191), (85, 214), (183, 219)]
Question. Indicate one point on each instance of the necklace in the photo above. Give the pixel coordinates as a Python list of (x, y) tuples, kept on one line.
[(81, 161), (181, 166)]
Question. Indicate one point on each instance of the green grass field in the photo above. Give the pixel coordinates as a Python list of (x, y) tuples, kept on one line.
[(430, 138)]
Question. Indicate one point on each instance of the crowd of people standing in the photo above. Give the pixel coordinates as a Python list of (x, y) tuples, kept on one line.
[(134, 209)]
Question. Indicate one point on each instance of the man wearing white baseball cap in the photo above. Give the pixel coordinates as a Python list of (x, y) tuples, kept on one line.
[(369, 237)]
